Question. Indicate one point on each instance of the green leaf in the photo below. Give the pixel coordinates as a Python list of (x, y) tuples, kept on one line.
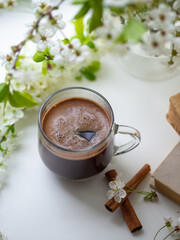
[(47, 54), (88, 72), (4, 89), (91, 45), (94, 66), (66, 41), (82, 12), (96, 18), (79, 78), (118, 11), (133, 31), (39, 56), (21, 99), (11, 129), (89, 75), (19, 61), (79, 1), (44, 68), (142, 8), (79, 28), (46, 51)]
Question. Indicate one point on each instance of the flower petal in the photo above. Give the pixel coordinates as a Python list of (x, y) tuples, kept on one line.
[(110, 194), (168, 219), (112, 185), (122, 193), (120, 184), (117, 198)]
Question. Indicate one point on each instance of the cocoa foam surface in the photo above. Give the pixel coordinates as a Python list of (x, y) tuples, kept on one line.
[(65, 119)]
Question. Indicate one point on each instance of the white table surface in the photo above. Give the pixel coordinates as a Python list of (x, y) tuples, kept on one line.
[(36, 204)]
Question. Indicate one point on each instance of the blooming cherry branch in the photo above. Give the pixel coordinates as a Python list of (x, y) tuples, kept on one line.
[(172, 225), (7, 3), (118, 190), (12, 94), (25, 83)]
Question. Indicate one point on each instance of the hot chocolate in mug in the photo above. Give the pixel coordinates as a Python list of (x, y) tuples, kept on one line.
[(77, 131)]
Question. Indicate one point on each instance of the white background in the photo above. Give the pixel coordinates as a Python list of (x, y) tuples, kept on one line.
[(36, 205)]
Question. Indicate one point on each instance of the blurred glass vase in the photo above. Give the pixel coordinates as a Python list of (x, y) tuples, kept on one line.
[(150, 68)]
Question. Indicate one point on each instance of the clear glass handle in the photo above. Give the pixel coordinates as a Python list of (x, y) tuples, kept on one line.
[(134, 133)]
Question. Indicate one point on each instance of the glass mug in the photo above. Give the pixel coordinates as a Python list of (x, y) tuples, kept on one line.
[(83, 163)]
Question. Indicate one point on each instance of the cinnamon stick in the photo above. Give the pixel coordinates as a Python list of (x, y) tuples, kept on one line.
[(127, 209), (130, 216), (112, 205)]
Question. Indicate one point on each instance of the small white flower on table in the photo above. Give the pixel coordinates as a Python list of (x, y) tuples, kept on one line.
[(116, 190), (173, 225), (2, 236), (176, 227)]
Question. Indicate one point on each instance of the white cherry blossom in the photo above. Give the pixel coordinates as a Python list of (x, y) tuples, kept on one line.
[(39, 2), (111, 27), (3, 130), (59, 51), (17, 85), (57, 47), (176, 42), (56, 19), (176, 5), (51, 24), (43, 40), (6, 121), (45, 28), (117, 190), (73, 52), (176, 226), (24, 76), (161, 18), (14, 113), (57, 14), (66, 51), (155, 45), (34, 88), (173, 225), (3, 164), (7, 3), (76, 43), (4, 3), (79, 52), (168, 220), (9, 116), (54, 50), (8, 145), (40, 5), (58, 59), (7, 60)]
